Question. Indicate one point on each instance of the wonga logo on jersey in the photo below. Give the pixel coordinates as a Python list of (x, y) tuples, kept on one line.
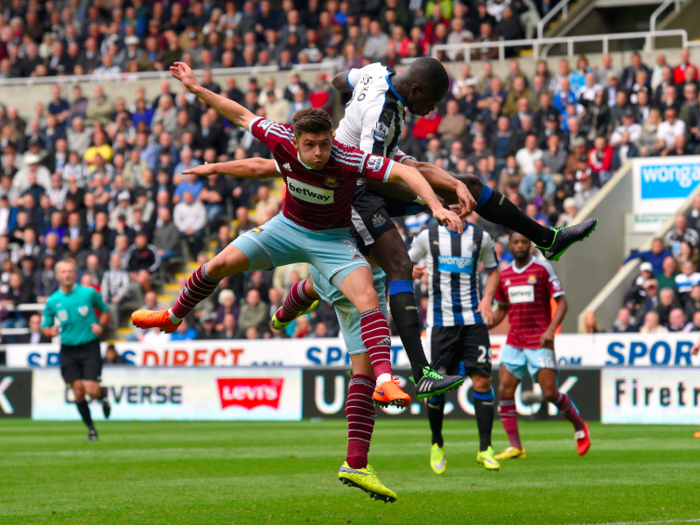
[(669, 181), (250, 392), (452, 264), (309, 193)]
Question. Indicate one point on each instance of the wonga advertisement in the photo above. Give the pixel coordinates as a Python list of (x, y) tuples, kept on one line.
[(660, 185), (185, 394)]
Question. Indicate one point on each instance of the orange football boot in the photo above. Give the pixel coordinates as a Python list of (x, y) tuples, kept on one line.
[(390, 393), (149, 319)]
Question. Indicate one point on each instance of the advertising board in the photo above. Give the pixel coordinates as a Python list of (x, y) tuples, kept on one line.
[(187, 394), (650, 395)]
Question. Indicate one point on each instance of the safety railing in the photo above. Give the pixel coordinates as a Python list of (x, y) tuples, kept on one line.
[(543, 45), (154, 75), (562, 7), (659, 10), (32, 307)]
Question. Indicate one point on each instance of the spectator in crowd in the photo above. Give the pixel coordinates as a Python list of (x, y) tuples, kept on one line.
[(667, 278), (680, 233), (35, 335), (591, 325), (686, 280), (623, 324), (585, 190), (190, 218), (677, 321), (184, 332), (112, 357), (692, 303), (651, 324), (208, 331), (655, 256), (667, 302), (253, 313), (142, 261)]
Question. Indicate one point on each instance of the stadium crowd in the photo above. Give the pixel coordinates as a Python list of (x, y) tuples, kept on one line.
[(100, 180)]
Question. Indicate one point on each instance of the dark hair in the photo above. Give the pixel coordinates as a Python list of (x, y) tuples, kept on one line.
[(311, 120), (430, 73)]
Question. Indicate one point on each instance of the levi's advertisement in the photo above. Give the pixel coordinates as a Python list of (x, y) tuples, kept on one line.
[(185, 394), (325, 392), (669, 396), (571, 350)]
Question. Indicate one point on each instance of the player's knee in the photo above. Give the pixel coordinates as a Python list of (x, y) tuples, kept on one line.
[(400, 268), (473, 184), (505, 392), (481, 383), (78, 391), (550, 393), (436, 401)]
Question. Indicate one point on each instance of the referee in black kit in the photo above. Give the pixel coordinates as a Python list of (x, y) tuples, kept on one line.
[(81, 363)]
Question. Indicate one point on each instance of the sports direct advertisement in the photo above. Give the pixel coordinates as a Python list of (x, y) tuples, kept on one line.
[(571, 350), (660, 185), (650, 396), (188, 394)]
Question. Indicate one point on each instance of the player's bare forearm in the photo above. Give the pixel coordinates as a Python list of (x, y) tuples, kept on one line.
[(340, 82), (104, 318), (439, 178), (491, 284), (396, 190), (224, 106), (254, 168), (402, 172), (562, 307), (499, 315)]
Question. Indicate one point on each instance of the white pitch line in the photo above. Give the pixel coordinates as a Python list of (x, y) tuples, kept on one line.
[(643, 522)]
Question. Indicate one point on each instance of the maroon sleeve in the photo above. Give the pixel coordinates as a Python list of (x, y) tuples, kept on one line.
[(269, 132), (500, 295)]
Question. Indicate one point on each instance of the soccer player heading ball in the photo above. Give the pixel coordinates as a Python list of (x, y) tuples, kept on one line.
[(313, 227), (524, 293)]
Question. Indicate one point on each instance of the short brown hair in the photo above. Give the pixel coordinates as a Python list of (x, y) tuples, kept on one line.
[(311, 120)]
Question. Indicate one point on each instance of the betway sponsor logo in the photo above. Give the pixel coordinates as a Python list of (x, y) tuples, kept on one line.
[(250, 393), (452, 264), (309, 193)]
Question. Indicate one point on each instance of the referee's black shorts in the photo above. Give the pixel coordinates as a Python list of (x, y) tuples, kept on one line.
[(452, 345), (81, 362), (372, 216)]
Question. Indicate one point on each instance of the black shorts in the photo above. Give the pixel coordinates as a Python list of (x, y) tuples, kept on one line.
[(81, 362), (452, 345), (372, 216)]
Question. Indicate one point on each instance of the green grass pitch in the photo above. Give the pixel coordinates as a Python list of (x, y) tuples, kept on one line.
[(236, 473)]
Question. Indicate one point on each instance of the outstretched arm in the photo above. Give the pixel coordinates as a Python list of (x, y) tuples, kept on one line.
[(255, 168), (233, 111), (415, 181), (439, 178)]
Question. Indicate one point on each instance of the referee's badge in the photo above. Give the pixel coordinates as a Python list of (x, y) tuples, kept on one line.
[(83, 310), (62, 315)]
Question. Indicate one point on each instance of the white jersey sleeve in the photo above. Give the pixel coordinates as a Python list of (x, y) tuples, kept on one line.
[(488, 253), (354, 77), (419, 247)]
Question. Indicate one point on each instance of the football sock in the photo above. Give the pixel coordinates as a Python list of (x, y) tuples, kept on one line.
[(377, 339), (199, 286), (103, 393), (85, 413), (359, 411), (436, 411), (509, 418), (569, 411), (483, 408), (495, 207), (296, 301), (405, 313)]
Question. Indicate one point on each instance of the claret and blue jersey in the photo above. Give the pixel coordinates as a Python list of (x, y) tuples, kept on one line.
[(452, 262)]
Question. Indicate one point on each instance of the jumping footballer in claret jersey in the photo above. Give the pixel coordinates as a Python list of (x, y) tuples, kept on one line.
[(313, 227)]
